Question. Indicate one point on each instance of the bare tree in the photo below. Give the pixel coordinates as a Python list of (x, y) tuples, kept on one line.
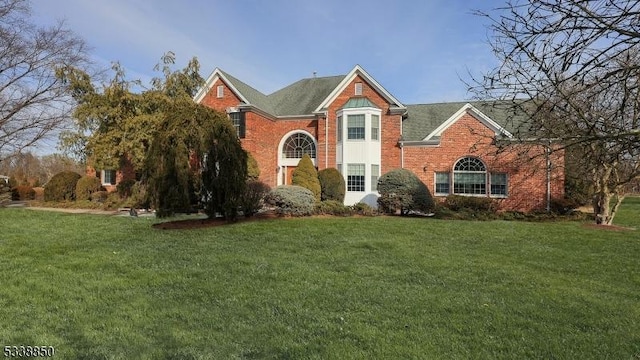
[(573, 67), (33, 102)]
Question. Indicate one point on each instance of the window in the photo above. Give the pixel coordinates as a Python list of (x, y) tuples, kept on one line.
[(498, 184), (375, 127), (375, 174), (220, 90), (442, 183), (238, 121), (470, 177), (339, 127), (355, 127), (358, 89), (108, 177), (297, 145), (355, 177)]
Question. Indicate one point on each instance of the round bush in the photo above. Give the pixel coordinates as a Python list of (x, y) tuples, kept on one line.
[(332, 186), (401, 190), (86, 186), (62, 186), (291, 200), (306, 175)]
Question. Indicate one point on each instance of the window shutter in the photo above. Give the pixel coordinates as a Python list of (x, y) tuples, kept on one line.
[(243, 126)]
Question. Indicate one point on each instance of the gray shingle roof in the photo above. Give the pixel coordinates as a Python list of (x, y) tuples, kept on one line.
[(422, 119), (304, 96), (299, 98)]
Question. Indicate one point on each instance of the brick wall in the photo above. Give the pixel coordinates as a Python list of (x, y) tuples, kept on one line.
[(524, 164)]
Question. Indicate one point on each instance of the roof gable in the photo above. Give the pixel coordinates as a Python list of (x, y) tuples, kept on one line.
[(358, 71), (473, 111)]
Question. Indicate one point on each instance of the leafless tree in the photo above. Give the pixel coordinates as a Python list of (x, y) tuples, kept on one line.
[(33, 102), (573, 67)]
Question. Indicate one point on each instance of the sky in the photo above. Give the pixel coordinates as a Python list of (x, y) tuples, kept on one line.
[(418, 50)]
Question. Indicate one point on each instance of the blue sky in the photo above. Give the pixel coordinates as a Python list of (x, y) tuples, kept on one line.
[(417, 49)]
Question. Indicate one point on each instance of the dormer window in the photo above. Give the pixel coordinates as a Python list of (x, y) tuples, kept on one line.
[(358, 89), (220, 91)]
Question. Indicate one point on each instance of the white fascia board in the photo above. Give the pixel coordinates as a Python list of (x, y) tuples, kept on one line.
[(215, 75), (358, 70), (487, 121)]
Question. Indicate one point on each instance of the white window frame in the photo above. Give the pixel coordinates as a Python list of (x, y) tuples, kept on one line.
[(357, 89), (363, 127), (375, 125), (506, 185), (482, 172), (360, 182), (435, 183), (103, 177), (220, 91), (375, 175)]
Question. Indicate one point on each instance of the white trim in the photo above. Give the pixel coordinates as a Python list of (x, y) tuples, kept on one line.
[(473, 111), (284, 163), (208, 84), (357, 70)]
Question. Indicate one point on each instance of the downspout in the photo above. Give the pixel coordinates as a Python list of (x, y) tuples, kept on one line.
[(326, 139), (401, 143)]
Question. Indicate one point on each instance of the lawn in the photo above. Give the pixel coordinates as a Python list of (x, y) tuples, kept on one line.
[(108, 287)]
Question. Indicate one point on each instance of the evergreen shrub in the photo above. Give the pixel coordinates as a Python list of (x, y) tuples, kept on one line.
[(86, 186), (252, 200), (306, 175), (291, 200), (401, 190), (332, 185), (62, 186)]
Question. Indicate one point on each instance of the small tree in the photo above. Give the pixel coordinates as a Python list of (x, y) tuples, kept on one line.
[(332, 185), (306, 175), (402, 190)]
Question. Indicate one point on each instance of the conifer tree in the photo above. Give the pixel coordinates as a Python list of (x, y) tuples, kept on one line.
[(306, 175)]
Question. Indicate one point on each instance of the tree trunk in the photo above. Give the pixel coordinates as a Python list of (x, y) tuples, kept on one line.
[(601, 208)]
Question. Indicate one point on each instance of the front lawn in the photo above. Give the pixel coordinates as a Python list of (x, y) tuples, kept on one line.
[(110, 287)]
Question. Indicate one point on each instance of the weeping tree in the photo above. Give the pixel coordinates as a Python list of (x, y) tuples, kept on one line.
[(573, 67), (189, 155), (197, 161)]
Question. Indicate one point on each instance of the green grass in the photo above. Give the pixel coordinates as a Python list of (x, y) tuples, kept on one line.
[(101, 287)]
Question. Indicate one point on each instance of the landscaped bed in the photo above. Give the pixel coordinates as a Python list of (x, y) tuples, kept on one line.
[(110, 287)]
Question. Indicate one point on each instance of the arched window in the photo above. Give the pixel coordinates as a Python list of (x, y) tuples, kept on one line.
[(470, 177), (297, 145)]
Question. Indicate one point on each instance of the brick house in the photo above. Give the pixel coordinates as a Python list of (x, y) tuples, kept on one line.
[(350, 122)]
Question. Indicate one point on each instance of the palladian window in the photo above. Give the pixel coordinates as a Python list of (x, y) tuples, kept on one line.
[(297, 145), (470, 177)]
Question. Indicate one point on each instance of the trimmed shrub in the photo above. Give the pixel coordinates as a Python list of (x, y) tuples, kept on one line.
[(23, 192), (332, 207), (62, 186), (253, 170), (363, 209), (252, 199), (306, 175), (99, 196), (86, 186), (124, 188), (473, 203), (332, 186), (291, 200), (401, 190)]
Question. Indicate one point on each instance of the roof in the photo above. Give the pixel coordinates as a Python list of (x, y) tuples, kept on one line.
[(422, 120), (359, 102), (302, 97)]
